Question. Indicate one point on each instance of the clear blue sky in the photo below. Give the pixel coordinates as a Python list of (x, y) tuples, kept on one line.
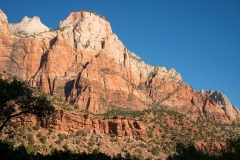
[(199, 38)]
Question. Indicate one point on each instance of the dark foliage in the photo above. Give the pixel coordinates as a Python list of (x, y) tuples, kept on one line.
[(184, 152), (232, 151), (18, 99), (7, 152), (188, 153)]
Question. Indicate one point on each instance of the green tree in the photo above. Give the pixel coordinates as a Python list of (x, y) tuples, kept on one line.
[(18, 99), (155, 150)]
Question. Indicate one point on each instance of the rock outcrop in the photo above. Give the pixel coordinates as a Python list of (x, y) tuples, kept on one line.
[(4, 28), (231, 111), (84, 62), (28, 26), (73, 122), (5, 41)]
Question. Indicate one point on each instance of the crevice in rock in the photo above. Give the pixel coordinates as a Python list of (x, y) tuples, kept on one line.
[(103, 44), (53, 86), (49, 85), (53, 41), (88, 103), (68, 88), (12, 60), (85, 66), (112, 128), (43, 60), (203, 108), (125, 58)]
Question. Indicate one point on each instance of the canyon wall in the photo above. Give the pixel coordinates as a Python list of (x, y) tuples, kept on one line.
[(85, 63)]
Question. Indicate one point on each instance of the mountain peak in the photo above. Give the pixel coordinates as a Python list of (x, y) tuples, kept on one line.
[(3, 17), (231, 111), (85, 62), (36, 18), (28, 26), (80, 16), (4, 28), (26, 19), (88, 28)]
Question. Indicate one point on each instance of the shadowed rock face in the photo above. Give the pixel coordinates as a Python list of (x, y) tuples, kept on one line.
[(84, 62), (231, 111)]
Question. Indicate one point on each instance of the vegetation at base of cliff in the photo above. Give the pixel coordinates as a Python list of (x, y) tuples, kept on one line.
[(167, 133), (166, 129), (8, 152), (18, 99), (189, 152), (184, 152), (177, 126)]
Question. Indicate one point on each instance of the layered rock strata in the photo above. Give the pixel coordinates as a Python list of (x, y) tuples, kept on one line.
[(231, 111), (73, 122), (84, 62)]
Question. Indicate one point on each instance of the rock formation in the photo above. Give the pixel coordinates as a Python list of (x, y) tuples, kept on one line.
[(84, 62), (73, 122), (28, 26), (5, 40), (231, 111)]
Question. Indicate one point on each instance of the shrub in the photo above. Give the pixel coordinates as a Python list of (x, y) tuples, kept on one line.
[(78, 133), (91, 143), (43, 139), (30, 139), (78, 141), (89, 148), (36, 127), (96, 151), (39, 134), (61, 136), (29, 129), (155, 150), (65, 146), (29, 149), (22, 131), (76, 106), (58, 142)]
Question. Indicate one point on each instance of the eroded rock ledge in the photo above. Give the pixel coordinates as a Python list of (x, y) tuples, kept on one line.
[(84, 62)]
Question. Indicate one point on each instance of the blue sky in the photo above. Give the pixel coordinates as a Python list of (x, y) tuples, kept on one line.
[(200, 39)]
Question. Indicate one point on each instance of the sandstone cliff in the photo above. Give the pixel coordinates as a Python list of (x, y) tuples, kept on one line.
[(72, 122), (231, 111), (84, 62)]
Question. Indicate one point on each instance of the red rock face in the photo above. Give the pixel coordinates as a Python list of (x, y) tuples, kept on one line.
[(85, 63), (5, 41), (73, 122)]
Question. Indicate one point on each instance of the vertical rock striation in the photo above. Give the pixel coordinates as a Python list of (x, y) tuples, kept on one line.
[(231, 111), (84, 62)]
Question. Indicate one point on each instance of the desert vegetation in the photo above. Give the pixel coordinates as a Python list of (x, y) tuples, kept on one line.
[(169, 134)]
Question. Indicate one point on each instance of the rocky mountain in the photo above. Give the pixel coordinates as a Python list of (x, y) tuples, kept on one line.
[(85, 63), (222, 100), (28, 26)]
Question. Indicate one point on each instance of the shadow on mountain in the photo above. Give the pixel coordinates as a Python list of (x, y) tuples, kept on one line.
[(189, 153), (184, 152), (232, 152), (68, 88), (8, 152)]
